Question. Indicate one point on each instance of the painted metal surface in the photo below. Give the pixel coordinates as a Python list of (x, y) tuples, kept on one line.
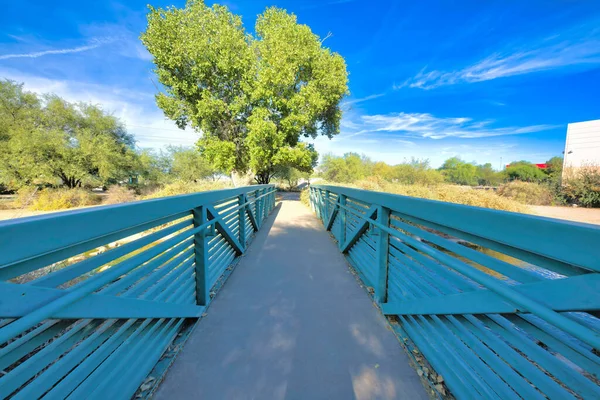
[(90, 299), (502, 305)]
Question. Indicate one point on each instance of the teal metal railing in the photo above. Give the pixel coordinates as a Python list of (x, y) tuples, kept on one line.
[(91, 298), (501, 305)]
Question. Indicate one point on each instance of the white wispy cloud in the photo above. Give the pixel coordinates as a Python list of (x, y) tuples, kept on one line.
[(93, 44), (425, 125), (363, 99), (578, 46)]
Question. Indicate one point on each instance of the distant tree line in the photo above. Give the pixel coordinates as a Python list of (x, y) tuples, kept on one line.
[(48, 141), (352, 167)]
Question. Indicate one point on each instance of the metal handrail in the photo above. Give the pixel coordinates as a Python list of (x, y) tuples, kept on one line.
[(452, 274), (101, 281)]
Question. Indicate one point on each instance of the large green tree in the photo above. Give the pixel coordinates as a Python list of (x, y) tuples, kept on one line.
[(49, 140), (253, 96), (348, 168), (460, 172), (189, 165)]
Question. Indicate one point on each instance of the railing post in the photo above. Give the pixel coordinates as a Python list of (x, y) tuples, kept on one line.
[(242, 219), (326, 206), (263, 209), (201, 258), (321, 205), (383, 246), (257, 207), (342, 218), (261, 206)]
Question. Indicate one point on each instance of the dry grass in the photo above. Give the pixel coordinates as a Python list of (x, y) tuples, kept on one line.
[(119, 194), (305, 197), (25, 196), (527, 193), (449, 193), (60, 199), (180, 187)]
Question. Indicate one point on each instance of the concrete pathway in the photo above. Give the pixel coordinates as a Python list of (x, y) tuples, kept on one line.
[(292, 323)]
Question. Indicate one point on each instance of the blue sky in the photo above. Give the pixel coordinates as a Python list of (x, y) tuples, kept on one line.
[(489, 81)]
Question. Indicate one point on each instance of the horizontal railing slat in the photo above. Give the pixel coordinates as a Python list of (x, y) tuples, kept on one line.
[(502, 305), (68, 228), (569, 242), (90, 299)]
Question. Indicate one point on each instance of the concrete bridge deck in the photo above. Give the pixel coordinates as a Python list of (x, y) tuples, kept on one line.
[(292, 322)]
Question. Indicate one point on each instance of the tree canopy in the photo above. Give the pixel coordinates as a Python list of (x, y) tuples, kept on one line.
[(45, 139), (524, 171), (253, 96), (460, 172)]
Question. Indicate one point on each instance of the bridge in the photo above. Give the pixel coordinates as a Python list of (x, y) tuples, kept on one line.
[(246, 294)]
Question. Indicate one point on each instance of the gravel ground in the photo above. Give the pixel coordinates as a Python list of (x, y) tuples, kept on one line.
[(10, 214)]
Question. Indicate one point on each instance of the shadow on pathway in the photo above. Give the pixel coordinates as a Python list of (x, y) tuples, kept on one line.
[(292, 323)]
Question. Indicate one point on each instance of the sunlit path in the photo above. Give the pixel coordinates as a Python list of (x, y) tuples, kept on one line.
[(292, 322)]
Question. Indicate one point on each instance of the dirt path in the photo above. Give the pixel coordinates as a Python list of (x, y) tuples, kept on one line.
[(11, 214), (587, 215)]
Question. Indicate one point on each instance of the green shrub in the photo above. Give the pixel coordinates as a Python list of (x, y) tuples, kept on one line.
[(524, 171), (527, 193), (416, 172), (60, 199), (119, 194), (582, 186)]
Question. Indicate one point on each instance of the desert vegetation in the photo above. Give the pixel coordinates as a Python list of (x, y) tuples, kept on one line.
[(520, 184)]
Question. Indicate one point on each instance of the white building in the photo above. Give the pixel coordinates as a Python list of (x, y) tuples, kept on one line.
[(583, 145)]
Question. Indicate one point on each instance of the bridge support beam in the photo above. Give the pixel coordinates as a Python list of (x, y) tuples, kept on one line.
[(242, 219), (342, 217), (201, 258), (362, 228), (383, 246)]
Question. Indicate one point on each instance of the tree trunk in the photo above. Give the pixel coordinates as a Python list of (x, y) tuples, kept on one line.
[(263, 178)]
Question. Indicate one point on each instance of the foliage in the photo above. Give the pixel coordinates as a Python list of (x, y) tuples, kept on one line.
[(60, 199), (450, 193), (183, 187), (153, 167), (554, 166), (582, 186), (119, 194), (524, 171), (49, 140), (527, 193), (252, 95), (416, 172), (291, 176), (348, 168), (459, 172), (486, 176), (189, 165)]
